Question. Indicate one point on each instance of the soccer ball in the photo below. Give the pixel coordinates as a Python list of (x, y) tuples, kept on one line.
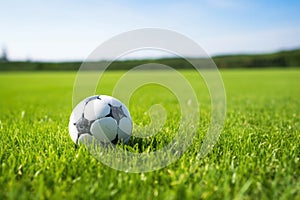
[(100, 118)]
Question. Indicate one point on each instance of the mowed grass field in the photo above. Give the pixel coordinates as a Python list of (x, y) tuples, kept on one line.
[(256, 157)]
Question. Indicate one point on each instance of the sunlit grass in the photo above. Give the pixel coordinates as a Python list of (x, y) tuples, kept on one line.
[(256, 157)]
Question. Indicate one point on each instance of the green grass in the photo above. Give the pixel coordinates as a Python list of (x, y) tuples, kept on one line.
[(256, 157)]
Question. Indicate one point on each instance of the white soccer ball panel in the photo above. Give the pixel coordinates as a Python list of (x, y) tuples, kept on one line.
[(126, 112), (86, 139), (111, 100), (115, 102), (77, 112), (125, 125), (95, 109), (105, 129), (73, 131), (105, 98), (123, 136)]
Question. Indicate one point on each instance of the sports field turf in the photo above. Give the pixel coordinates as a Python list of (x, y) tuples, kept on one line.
[(256, 157)]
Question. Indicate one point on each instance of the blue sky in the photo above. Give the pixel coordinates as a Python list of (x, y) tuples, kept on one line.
[(70, 30)]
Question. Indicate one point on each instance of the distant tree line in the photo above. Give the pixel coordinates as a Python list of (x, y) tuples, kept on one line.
[(279, 59)]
